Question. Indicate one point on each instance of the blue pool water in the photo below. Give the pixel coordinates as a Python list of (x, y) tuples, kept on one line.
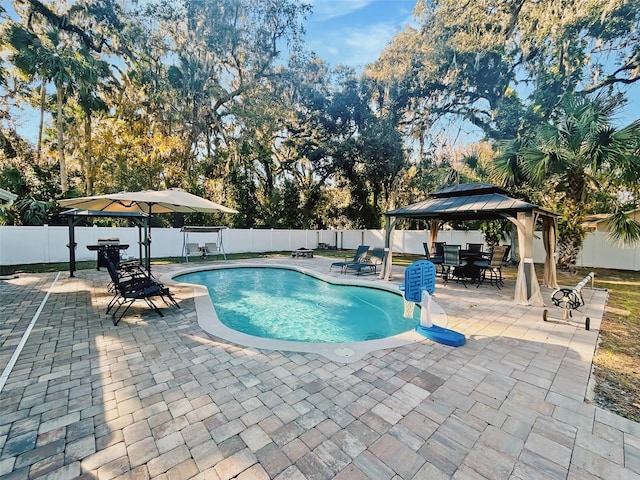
[(289, 305)]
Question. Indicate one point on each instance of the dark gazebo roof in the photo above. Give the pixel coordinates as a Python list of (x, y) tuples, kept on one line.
[(469, 201)]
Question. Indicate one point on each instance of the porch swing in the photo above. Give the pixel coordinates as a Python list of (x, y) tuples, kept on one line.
[(202, 249)]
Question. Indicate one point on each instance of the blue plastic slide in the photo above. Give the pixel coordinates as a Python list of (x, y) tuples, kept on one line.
[(419, 285)]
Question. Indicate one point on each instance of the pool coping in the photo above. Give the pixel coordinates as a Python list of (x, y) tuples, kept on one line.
[(346, 352)]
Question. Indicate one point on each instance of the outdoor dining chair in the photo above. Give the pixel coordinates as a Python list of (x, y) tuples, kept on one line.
[(493, 266), (438, 254), (475, 247), (453, 265)]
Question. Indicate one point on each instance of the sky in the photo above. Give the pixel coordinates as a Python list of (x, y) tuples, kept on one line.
[(354, 32)]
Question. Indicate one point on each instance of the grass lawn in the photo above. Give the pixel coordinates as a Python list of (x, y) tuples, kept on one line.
[(617, 361)]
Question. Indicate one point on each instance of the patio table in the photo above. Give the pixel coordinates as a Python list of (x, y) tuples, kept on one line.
[(302, 252)]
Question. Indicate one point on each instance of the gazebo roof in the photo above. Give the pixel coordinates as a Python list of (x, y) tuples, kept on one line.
[(470, 201)]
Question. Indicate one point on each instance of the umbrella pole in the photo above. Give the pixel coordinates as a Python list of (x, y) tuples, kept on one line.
[(147, 242)]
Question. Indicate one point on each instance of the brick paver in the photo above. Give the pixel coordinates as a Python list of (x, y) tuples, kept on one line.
[(160, 398)]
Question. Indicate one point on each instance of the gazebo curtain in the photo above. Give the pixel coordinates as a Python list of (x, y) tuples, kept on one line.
[(527, 291), (549, 278)]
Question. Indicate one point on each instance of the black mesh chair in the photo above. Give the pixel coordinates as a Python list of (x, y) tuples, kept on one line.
[(438, 254), (453, 266), (475, 247), (127, 291)]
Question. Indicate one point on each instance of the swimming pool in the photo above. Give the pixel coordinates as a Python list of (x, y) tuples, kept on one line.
[(284, 304), (343, 352)]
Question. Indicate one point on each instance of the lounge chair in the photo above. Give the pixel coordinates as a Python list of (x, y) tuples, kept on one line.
[(371, 263), (127, 291), (360, 256)]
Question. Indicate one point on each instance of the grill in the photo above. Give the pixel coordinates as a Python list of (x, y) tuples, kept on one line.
[(103, 242), (111, 246)]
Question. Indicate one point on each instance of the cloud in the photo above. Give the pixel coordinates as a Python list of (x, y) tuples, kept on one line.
[(354, 46), (328, 9)]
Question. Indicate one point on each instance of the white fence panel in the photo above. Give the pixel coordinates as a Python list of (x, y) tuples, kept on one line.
[(599, 251), (351, 239), (261, 240), (373, 238), (26, 245), (237, 240)]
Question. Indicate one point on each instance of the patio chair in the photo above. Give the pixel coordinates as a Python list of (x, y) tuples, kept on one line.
[(493, 266), (506, 260), (191, 250), (371, 263), (475, 247), (436, 259), (211, 249), (127, 271), (453, 265), (127, 291), (360, 256)]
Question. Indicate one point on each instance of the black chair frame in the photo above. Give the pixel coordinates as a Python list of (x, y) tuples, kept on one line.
[(127, 291), (453, 265)]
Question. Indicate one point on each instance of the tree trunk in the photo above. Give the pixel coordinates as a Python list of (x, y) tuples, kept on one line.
[(43, 105), (88, 159), (63, 164)]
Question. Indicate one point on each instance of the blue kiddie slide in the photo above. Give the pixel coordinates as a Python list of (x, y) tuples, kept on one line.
[(419, 285)]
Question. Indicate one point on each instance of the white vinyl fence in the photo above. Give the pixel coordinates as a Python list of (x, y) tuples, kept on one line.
[(47, 244)]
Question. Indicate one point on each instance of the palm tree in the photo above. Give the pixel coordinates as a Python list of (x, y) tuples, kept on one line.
[(48, 58), (577, 154), (90, 73)]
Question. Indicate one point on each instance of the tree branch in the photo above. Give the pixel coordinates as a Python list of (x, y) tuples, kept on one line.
[(62, 22), (612, 79)]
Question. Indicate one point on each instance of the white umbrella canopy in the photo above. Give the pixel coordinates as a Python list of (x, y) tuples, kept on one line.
[(147, 202)]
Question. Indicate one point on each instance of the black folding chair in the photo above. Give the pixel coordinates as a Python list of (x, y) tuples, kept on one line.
[(127, 291)]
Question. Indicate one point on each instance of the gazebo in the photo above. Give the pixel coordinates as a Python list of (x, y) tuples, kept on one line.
[(481, 201)]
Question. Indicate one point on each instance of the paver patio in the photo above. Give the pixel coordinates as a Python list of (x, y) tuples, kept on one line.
[(160, 398)]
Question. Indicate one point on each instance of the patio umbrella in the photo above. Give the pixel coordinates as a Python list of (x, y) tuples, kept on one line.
[(148, 202)]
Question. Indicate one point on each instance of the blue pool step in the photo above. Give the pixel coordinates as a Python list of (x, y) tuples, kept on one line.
[(442, 335)]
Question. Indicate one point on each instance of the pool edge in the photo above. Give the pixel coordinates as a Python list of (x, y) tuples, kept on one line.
[(347, 352)]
